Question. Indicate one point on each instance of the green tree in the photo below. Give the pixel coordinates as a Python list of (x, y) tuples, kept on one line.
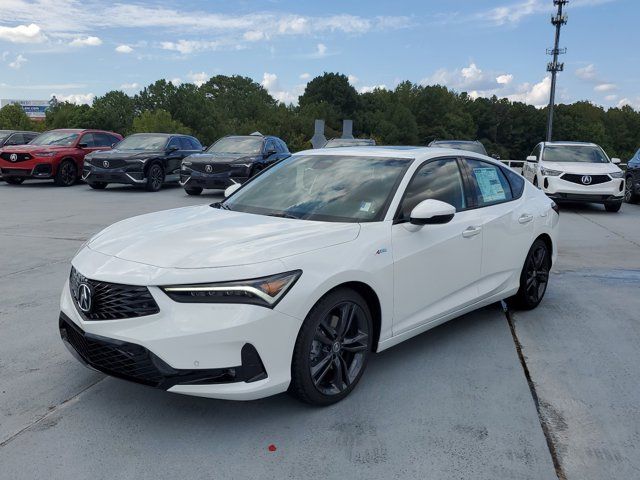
[(158, 121), (70, 115), (114, 111), (334, 91), (12, 117)]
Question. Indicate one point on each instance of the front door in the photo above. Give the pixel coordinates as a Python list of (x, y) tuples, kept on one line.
[(436, 267)]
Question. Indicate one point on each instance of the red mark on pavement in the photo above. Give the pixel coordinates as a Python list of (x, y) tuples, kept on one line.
[(272, 448)]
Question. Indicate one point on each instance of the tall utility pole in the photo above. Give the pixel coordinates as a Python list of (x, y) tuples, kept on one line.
[(554, 67)]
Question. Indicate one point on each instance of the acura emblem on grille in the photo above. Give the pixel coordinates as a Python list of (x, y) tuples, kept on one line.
[(105, 164), (84, 297), (586, 179), (13, 157), (208, 168)]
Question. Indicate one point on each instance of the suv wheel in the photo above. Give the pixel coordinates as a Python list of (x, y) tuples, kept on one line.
[(534, 277), (98, 185), (630, 195), (193, 190), (613, 206), (67, 174)]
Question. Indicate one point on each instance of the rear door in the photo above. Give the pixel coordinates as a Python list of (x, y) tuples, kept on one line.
[(436, 267), (174, 158), (529, 168), (507, 223)]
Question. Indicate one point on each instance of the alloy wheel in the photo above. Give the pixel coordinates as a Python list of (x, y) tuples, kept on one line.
[(67, 173), (537, 274), (628, 191), (156, 177), (339, 348)]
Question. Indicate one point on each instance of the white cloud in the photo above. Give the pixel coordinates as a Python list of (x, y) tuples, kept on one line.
[(371, 88), (85, 42), (176, 81), (77, 98), (186, 47), (465, 79), (18, 62), (536, 94), (321, 50), (587, 72), (505, 79), (271, 83), (253, 35), (353, 80), (305, 76), (629, 102), (199, 78), (513, 13), (611, 98), (130, 86), (22, 33), (605, 87), (124, 49)]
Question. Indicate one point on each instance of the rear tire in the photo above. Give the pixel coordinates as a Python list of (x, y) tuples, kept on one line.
[(534, 277), (98, 185), (67, 174), (13, 180), (155, 178), (613, 206), (630, 196), (193, 190), (332, 348)]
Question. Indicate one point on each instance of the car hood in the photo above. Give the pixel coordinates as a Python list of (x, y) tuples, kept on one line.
[(222, 158), (206, 237), (35, 148), (581, 167), (125, 154)]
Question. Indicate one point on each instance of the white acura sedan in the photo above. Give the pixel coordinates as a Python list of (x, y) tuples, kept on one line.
[(296, 278)]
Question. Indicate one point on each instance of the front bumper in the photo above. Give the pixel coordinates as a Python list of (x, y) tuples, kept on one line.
[(112, 175), (194, 349), (193, 178), (39, 170), (559, 189)]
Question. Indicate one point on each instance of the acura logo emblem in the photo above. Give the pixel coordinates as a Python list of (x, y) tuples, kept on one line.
[(586, 179), (208, 168), (84, 297), (105, 164), (13, 157)]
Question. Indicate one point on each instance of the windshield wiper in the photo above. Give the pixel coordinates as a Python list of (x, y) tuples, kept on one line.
[(220, 205), (282, 215)]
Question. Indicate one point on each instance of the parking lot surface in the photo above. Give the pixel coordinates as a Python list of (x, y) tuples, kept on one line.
[(560, 399)]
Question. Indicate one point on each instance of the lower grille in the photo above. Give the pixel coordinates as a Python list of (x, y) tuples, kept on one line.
[(594, 179), (16, 172), (111, 301), (135, 363), (210, 167)]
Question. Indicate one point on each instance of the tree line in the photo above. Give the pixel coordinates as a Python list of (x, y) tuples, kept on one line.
[(411, 114)]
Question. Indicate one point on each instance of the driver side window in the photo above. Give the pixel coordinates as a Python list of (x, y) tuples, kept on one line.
[(174, 144), (438, 179)]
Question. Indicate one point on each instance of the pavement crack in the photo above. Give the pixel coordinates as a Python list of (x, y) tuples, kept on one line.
[(36, 267), (546, 429), (52, 411), (607, 229)]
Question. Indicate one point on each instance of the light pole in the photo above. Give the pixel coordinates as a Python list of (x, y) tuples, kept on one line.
[(554, 67)]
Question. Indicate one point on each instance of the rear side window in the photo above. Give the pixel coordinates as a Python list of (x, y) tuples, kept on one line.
[(438, 179), (489, 184), (516, 181), (185, 144), (102, 140), (174, 143), (88, 139), (195, 144), (283, 146)]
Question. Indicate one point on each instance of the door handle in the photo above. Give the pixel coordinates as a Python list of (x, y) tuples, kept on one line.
[(525, 218), (471, 232)]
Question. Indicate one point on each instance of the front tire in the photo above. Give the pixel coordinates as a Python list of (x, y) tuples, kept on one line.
[(332, 349), (14, 180), (193, 190), (630, 195), (155, 178), (613, 206), (98, 185), (534, 277), (67, 174)]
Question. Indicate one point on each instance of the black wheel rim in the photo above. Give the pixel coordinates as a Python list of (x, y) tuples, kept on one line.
[(67, 173), (339, 348), (537, 274), (628, 191), (156, 177)]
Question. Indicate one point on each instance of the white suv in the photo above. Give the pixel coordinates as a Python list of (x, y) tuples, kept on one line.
[(576, 172)]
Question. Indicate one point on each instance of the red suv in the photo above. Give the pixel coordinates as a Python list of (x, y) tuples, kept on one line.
[(56, 154)]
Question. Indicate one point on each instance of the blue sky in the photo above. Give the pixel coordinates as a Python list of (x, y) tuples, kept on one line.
[(81, 49)]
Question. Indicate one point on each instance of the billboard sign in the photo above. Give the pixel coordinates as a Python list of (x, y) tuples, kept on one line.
[(35, 109)]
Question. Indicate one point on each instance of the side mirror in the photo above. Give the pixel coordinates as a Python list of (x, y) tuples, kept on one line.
[(83, 145), (432, 212), (172, 149), (615, 160), (532, 158), (268, 153), (230, 190)]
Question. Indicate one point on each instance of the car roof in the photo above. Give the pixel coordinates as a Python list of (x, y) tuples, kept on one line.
[(566, 143), (408, 152), (456, 141)]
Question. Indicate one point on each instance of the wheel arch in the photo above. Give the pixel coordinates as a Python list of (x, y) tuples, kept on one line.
[(548, 242), (63, 159), (153, 161)]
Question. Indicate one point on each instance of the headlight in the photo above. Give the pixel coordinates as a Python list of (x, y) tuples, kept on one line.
[(187, 164), (45, 154), (241, 165), (550, 173), (264, 291), (616, 174)]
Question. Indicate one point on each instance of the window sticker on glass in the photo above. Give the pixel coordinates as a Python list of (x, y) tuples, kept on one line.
[(365, 207), (489, 184)]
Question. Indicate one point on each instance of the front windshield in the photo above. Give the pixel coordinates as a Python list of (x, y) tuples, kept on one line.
[(331, 188), (143, 142), (574, 153), (466, 146), (237, 145), (349, 142), (59, 137), (4, 134)]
